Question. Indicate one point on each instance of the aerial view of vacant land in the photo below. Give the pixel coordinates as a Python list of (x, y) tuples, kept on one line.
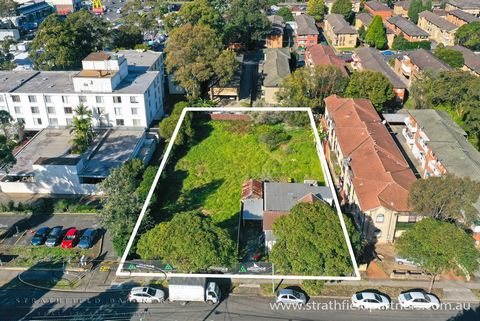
[(209, 175)]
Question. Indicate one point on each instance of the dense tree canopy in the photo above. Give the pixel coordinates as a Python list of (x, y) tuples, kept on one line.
[(468, 35), (310, 241), (307, 87), (452, 57), (196, 12), (343, 7), (286, 14), (370, 85), (445, 198), (438, 247), (376, 35), (126, 37), (168, 124), (8, 8), (400, 43), (417, 6), (317, 9), (190, 241)]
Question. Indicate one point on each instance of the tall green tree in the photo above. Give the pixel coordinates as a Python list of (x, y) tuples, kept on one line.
[(286, 14), (317, 9), (307, 87), (416, 6), (468, 36), (126, 37), (370, 85), (190, 241), (82, 129), (313, 230), (197, 12), (343, 7), (168, 124), (439, 247), (7, 160), (376, 35), (445, 198), (195, 54), (450, 56)]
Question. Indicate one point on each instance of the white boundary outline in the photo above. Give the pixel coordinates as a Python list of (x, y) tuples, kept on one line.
[(328, 181)]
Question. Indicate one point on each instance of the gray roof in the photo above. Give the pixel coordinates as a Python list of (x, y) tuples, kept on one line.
[(371, 59), (407, 27), (276, 66), (465, 4), (471, 59), (252, 209), (283, 196), (339, 24), (306, 25), (438, 21), (376, 5), (140, 60), (465, 16), (425, 60), (365, 17), (10, 80), (405, 4)]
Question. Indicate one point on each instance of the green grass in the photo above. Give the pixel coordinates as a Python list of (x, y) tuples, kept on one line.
[(29, 256), (209, 176)]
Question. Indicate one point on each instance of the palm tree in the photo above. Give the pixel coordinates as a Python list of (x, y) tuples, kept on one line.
[(83, 129)]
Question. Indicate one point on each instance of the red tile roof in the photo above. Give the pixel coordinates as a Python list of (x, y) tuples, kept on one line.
[(323, 55), (269, 218), (380, 174), (252, 189)]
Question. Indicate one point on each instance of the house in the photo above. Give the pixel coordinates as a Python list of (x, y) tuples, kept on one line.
[(230, 90), (276, 66), (323, 55), (46, 164), (414, 62), (376, 8), (265, 202), (470, 6), (364, 19), (121, 89), (64, 7), (374, 178), (370, 59), (459, 17), (275, 38), (298, 10), (338, 32), (471, 60), (440, 30), (31, 14), (355, 5), (8, 30), (410, 31), (400, 8), (306, 32)]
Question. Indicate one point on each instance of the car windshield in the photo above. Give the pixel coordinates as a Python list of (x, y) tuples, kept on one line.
[(151, 291), (70, 237), (85, 238), (407, 296)]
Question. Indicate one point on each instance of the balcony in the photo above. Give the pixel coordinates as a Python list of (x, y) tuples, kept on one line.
[(406, 70), (433, 167), (408, 136), (423, 144), (409, 125)]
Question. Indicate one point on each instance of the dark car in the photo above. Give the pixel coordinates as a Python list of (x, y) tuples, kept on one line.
[(54, 236), (40, 235), (88, 239)]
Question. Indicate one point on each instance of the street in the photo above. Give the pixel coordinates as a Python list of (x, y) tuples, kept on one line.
[(27, 304)]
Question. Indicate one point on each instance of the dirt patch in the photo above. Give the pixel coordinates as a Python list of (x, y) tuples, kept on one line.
[(374, 271)]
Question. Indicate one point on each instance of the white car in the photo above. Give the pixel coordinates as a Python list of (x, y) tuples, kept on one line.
[(400, 260), (288, 296), (418, 300), (370, 300), (146, 294)]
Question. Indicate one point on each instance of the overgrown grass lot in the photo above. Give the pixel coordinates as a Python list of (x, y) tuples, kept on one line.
[(209, 175)]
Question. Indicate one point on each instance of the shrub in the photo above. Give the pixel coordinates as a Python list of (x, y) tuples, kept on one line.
[(274, 137)]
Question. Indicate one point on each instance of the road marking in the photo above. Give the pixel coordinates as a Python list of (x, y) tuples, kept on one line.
[(104, 268), (19, 238)]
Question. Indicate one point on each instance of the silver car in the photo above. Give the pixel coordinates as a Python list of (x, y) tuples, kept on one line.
[(288, 296)]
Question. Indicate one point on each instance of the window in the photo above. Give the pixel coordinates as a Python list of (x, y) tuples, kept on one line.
[(134, 99), (100, 110), (15, 98), (35, 110), (21, 120), (37, 121), (65, 99), (82, 99), (99, 99), (118, 111), (68, 110), (32, 99), (120, 122), (48, 99), (51, 110), (136, 122), (380, 218), (53, 121), (18, 110), (134, 111), (69, 121), (117, 99)]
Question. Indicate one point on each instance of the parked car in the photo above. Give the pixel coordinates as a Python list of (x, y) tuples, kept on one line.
[(387, 53), (88, 238), (288, 296), (400, 260), (418, 300), (40, 236), (370, 300), (146, 295), (53, 238), (70, 239)]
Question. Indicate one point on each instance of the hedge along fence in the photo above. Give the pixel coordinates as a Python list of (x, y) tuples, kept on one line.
[(50, 205), (230, 117)]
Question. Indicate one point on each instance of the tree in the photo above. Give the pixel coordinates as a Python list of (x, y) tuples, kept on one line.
[(452, 57), (286, 14), (445, 198), (7, 160), (194, 53), (61, 44), (126, 37), (316, 9), (343, 7), (82, 129), (362, 33), (197, 12), (190, 241), (438, 247), (468, 36), (400, 43), (314, 231), (146, 183), (8, 8), (414, 9), (376, 35), (11, 129), (246, 22), (307, 87), (370, 85), (168, 124)]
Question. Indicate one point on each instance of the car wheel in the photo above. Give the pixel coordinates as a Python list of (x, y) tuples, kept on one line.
[(210, 302)]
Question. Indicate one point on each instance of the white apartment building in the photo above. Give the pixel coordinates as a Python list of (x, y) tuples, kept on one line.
[(124, 88)]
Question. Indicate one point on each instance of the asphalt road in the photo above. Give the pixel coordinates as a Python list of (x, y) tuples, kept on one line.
[(42, 305)]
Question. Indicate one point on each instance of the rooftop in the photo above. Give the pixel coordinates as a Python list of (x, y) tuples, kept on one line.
[(339, 24), (365, 17), (405, 4), (306, 25), (140, 60), (465, 16), (438, 21), (283, 196), (407, 27), (276, 66), (277, 24), (472, 60), (323, 55), (381, 175), (10, 80), (377, 6), (425, 60), (371, 59), (465, 4)]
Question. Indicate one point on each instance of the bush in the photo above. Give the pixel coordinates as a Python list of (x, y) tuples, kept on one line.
[(274, 137), (61, 206), (313, 287), (400, 43)]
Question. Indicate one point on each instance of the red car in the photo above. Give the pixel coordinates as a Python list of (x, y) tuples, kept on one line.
[(70, 238)]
